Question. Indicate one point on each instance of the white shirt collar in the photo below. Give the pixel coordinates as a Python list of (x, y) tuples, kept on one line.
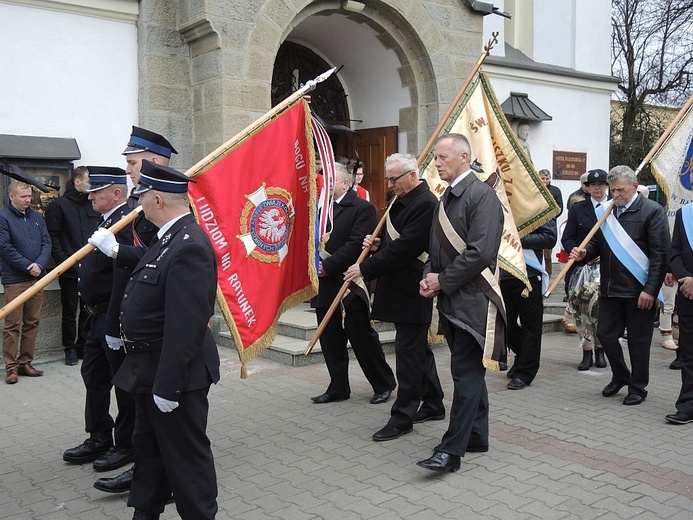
[(109, 213), (163, 229), (460, 178)]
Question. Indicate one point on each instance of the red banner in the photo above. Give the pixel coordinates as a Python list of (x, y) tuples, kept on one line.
[(257, 205)]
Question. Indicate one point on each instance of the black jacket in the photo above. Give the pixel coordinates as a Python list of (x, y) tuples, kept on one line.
[(646, 223), (70, 220), (681, 263), (581, 219), (544, 237), (395, 263), (354, 218)]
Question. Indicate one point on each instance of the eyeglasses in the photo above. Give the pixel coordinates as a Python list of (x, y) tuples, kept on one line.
[(393, 180)]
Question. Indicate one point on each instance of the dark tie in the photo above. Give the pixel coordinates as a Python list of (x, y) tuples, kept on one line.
[(446, 196)]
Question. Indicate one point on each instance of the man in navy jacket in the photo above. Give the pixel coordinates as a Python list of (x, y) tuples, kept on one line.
[(25, 248)]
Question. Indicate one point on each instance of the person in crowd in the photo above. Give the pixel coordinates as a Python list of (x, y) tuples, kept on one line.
[(545, 176), (25, 248), (633, 246), (582, 217), (353, 218), (172, 358), (525, 315), (461, 272), (397, 264), (70, 220), (681, 265), (355, 167), (101, 286)]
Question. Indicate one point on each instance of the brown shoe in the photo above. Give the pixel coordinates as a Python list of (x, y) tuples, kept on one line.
[(28, 370), (11, 376)]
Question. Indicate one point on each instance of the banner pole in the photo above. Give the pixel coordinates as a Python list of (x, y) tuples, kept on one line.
[(422, 156), (687, 105), (191, 172), (582, 245)]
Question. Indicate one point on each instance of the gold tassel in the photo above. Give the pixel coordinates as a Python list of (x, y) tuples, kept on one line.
[(525, 293), (491, 364)]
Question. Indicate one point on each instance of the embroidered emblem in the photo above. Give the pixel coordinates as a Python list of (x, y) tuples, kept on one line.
[(163, 252), (186, 236), (165, 239), (266, 224)]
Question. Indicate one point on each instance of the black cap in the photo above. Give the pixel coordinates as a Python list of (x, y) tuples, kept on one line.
[(142, 140), (161, 178), (595, 176), (102, 176)]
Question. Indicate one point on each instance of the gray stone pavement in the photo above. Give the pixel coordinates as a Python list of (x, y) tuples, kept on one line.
[(559, 450)]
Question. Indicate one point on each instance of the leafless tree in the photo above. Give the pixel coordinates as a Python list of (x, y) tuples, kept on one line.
[(652, 53)]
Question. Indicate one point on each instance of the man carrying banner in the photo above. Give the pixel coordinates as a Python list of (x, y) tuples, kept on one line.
[(465, 238), (353, 219), (681, 264), (171, 356), (633, 245), (397, 264)]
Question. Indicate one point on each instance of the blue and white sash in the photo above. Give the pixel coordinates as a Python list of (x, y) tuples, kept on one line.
[(625, 249), (687, 221), (533, 261)]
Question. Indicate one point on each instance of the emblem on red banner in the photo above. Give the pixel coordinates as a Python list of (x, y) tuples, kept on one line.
[(266, 224)]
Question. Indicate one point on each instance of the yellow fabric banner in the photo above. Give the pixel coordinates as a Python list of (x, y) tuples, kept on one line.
[(500, 161)]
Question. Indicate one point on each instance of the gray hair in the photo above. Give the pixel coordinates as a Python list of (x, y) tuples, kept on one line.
[(544, 171), (622, 172), (406, 162), (340, 170), (459, 142)]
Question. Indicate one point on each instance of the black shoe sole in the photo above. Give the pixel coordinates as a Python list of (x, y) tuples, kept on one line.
[(452, 469), (392, 437), (678, 422), (430, 418), (107, 489), (114, 465)]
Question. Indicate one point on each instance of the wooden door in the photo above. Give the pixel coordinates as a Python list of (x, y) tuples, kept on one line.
[(373, 146)]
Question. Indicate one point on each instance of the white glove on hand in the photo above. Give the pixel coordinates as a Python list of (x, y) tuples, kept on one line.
[(105, 241), (164, 404), (114, 343)]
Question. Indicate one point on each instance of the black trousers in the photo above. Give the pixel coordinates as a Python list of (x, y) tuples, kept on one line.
[(469, 413), (173, 454), (74, 332), (365, 344), (684, 403), (98, 367), (615, 315), (417, 376), (524, 339)]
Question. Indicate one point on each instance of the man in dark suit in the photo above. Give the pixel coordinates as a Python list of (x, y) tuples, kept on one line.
[(466, 235), (681, 265), (633, 246), (171, 356), (545, 176), (397, 264), (101, 285), (581, 219), (70, 219), (353, 218)]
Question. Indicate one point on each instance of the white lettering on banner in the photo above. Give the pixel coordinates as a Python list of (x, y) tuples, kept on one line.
[(298, 156), (210, 224), (243, 303)]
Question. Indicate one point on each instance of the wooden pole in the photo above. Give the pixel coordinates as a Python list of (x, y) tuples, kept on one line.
[(65, 265), (421, 158), (665, 135), (191, 172), (584, 243)]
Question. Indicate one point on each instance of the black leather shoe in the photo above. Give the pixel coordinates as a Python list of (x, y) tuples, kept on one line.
[(71, 357), (516, 384), (118, 484), (327, 398), (139, 515), (89, 450), (679, 418), (441, 462), (114, 458), (389, 433), (599, 358), (477, 449), (612, 389), (633, 399), (381, 398), (420, 417)]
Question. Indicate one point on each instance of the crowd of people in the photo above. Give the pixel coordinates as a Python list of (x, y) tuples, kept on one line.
[(125, 298)]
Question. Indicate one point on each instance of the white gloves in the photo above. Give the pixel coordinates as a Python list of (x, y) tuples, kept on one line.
[(105, 241), (164, 404), (114, 343)]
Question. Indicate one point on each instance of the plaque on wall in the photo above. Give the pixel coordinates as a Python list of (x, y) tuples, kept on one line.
[(569, 166)]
